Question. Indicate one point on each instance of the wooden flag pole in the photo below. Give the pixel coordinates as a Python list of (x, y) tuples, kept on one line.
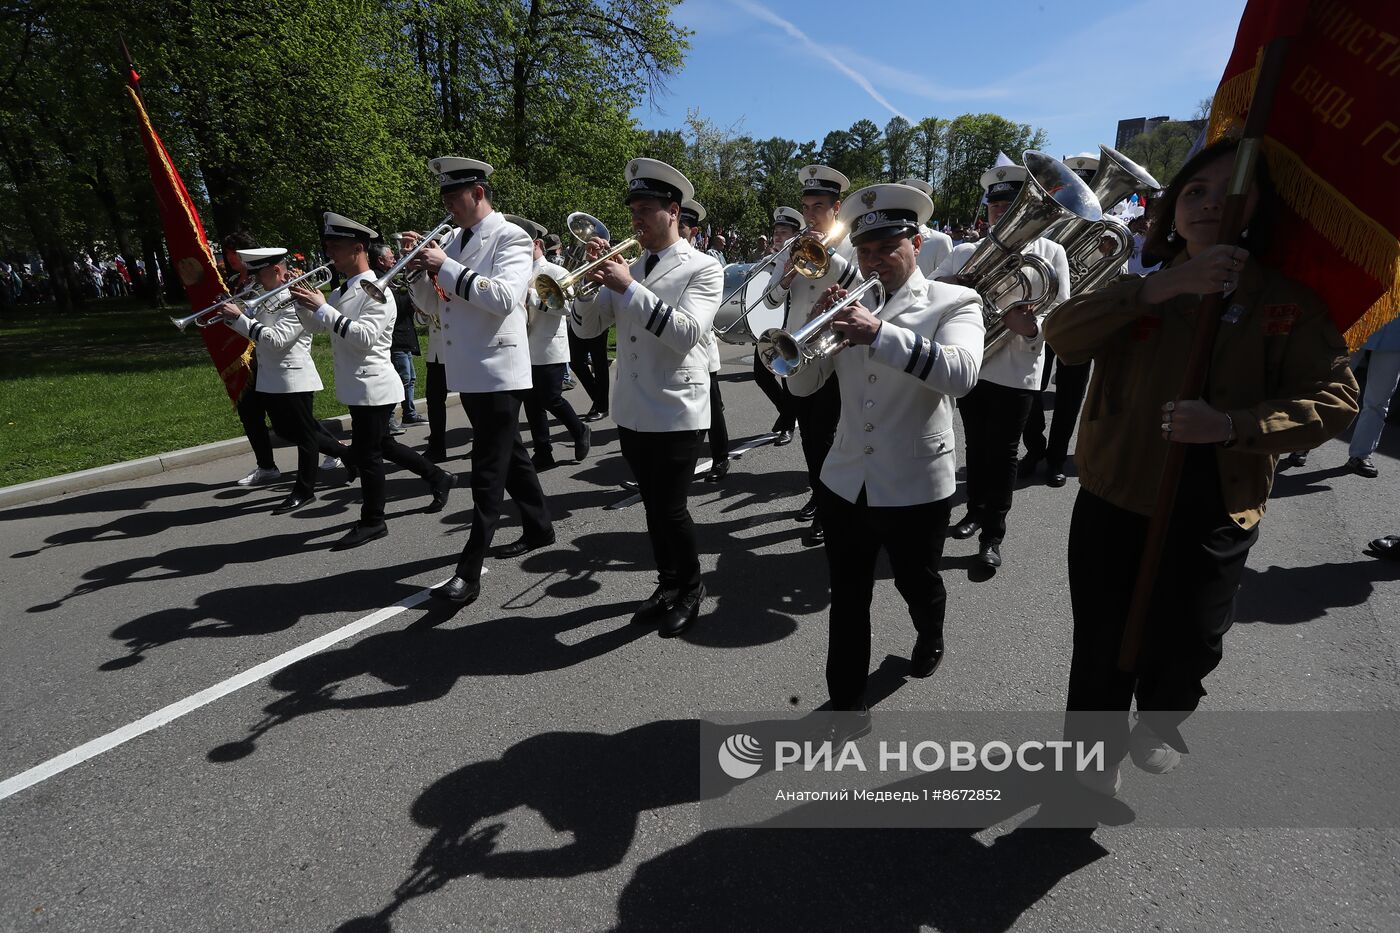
[(1193, 383)]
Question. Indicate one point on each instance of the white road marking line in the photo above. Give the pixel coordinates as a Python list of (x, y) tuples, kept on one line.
[(160, 717), (702, 466)]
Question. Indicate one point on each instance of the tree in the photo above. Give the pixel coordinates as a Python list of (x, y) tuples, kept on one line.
[(1164, 149), (899, 149)]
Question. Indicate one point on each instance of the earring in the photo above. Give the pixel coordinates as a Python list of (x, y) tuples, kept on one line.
[(1171, 234)]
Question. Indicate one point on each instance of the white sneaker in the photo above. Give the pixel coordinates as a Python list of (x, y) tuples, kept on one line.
[(330, 463), (260, 477), (1150, 751), (1106, 783)]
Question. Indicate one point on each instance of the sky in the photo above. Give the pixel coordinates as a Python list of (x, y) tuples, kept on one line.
[(800, 68)]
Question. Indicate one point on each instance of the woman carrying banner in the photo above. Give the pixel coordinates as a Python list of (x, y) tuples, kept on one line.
[(1279, 382)]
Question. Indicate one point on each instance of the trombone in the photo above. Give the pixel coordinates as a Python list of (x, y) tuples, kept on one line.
[(555, 293), (811, 258), (786, 354), (379, 288), (198, 319)]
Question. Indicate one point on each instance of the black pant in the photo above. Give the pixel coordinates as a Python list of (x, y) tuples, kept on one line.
[(437, 409), (719, 431), (912, 536), (664, 464), (292, 419), (253, 413), (500, 465), (1193, 606), (992, 416), (588, 358), (1070, 383), (777, 394), (370, 446), (817, 414), (547, 398)]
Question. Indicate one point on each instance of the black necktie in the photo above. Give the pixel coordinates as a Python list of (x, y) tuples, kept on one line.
[(651, 262), (466, 238)]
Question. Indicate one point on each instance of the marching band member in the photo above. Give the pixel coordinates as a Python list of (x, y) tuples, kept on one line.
[(817, 414), (286, 375), (936, 245), (251, 412), (435, 393), (548, 335), (787, 223), (478, 281), (663, 305), (889, 477), (692, 212), (361, 330), (994, 413)]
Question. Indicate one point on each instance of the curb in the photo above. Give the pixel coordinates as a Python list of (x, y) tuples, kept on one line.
[(66, 483)]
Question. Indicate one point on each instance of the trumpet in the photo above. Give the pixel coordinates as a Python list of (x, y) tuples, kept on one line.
[(318, 277), (811, 258), (555, 293), (380, 286), (204, 317), (786, 354)]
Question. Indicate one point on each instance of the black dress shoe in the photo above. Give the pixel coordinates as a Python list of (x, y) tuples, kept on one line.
[(542, 461), (842, 727), (1027, 467), (1386, 548), (783, 438), (457, 591), (682, 613), (927, 655), (808, 511), (442, 488), (1057, 476), (583, 445), (361, 534), (597, 414), (655, 606), (293, 502), (1299, 458), (815, 536), (523, 546), (990, 555), (718, 472), (1363, 466), (966, 528)]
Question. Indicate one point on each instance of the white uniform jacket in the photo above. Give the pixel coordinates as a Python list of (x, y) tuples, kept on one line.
[(895, 436), (935, 249), (798, 300), (663, 381), (486, 278), (1018, 363), (548, 330), (362, 331), (283, 347)]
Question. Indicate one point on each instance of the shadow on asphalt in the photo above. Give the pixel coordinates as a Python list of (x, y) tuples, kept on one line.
[(1293, 595)]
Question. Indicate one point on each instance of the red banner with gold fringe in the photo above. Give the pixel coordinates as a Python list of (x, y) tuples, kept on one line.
[(1333, 148)]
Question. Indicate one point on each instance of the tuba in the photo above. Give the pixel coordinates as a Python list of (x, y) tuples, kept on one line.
[(1117, 178), (999, 268)]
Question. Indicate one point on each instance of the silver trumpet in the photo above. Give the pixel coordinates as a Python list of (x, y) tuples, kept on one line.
[(786, 354), (318, 277), (204, 317), (379, 288)]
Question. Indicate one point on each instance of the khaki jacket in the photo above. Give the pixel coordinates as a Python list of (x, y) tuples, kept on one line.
[(1279, 369)]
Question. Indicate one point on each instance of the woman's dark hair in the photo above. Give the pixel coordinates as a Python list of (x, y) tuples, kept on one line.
[(1160, 246)]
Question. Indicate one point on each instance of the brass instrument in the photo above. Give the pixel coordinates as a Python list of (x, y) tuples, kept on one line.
[(1117, 178), (204, 317), (318, 277), (379, 288), (786, 354), (811, 259), (556, 293)]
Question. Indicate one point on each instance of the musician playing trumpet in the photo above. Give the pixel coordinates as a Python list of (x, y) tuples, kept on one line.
[(286, 376), (889, 477)]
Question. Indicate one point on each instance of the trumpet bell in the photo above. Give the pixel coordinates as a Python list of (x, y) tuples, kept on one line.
[(552, 294), (810, 258)]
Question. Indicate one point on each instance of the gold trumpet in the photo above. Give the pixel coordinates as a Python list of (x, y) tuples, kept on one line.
[(810, 257), (556, 293)]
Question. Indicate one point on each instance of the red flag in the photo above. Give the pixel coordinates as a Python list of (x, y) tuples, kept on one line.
[(1333, 147), (191, 256)]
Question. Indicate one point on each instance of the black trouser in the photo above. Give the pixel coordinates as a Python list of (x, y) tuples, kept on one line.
[(437, 409), (1193, 606), (912, 536), (992, 416), (292, 420), (370, 446), (500, 465), (253, 413), (777, 394), (817, 414), (588, 358), (664, 464), (1070, 383), (719, 431), (547, 398)]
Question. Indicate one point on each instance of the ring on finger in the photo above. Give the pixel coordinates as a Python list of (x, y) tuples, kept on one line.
[(1167, 427)]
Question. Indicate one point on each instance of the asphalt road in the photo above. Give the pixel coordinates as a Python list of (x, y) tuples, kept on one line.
[(528, 763)]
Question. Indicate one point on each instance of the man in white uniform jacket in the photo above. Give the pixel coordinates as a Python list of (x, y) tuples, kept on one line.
[(548, 331), (889, 477), (664, 305), (361, 328), (994, 413), (286, 374), (936, 245), (692, 213), (477, 281)]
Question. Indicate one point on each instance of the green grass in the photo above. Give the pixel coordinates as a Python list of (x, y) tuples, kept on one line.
[(114, 383)]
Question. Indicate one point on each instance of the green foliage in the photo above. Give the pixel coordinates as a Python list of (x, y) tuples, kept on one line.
[(1163, 150)]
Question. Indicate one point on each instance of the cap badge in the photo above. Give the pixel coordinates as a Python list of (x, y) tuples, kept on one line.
[(869, 198), (1001, 174), (437, 165), (634, 170), (811, 171)]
